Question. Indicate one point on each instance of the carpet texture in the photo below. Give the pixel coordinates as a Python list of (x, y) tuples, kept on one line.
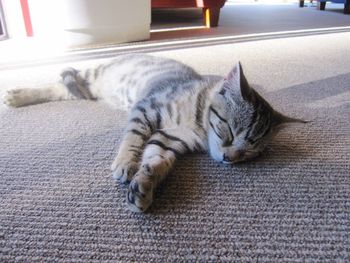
[(60, 204)]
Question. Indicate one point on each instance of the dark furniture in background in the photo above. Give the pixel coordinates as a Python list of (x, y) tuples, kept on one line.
[(211, 8), (321, 4)]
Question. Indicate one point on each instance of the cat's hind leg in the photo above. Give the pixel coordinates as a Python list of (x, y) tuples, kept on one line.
[(70, 87), (19, 97), (160, 154)]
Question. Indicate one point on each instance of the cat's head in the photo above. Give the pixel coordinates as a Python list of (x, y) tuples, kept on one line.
[(241, 122)]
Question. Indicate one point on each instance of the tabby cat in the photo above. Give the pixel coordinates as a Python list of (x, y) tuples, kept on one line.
[(172, 111)]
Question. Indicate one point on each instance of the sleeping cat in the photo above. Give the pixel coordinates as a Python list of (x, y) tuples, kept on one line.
[(172, 111)]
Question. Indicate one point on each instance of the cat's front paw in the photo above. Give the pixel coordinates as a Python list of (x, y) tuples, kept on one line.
[(140, 193), (124, 171), (13, 98)]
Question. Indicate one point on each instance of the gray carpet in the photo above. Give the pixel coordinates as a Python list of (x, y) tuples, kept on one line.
[(59, 203)]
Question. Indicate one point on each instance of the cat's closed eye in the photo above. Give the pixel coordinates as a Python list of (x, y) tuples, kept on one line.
[(221, 127), (228, 141)]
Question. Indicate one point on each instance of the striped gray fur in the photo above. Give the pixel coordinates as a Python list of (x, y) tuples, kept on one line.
[(69, 80), (78, 86), (173, 110)]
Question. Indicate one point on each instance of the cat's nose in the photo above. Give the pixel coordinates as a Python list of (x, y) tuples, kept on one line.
[(237, 156)]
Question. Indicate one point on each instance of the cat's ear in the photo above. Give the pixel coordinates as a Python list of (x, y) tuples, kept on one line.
[(236, 81), (278, 119)]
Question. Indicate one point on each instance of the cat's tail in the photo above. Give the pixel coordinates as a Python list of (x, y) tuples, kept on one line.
[(71, 87)]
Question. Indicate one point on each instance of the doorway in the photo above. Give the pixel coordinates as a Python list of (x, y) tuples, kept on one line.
[(3, 32)]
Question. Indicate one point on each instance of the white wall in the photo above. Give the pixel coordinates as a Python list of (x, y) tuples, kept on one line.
[(87, 22)]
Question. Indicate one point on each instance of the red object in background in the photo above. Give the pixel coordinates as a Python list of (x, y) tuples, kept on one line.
[(26, 17), (211, 8), (187, 3)]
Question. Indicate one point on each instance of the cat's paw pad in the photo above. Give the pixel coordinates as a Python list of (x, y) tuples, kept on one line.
[(140, 193), (13, 97), (124, 172)]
